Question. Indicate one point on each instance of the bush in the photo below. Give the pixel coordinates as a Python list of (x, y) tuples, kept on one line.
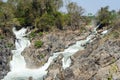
[(41, 56), (10, 45), (115, 34), (21, 21), (116, 28), (58, 20), (1, 36), (38, 44), (40, 33), (46, 22), (105, 17), (32, 34)]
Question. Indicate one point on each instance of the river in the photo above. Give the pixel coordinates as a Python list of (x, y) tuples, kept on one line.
[(18, 69)]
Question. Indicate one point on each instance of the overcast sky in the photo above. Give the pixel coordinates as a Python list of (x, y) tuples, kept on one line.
[(92, 6)]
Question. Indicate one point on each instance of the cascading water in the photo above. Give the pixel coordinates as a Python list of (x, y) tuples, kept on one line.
[(18, 68)]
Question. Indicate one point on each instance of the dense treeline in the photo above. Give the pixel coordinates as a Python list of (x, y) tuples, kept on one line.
[(45, 15)]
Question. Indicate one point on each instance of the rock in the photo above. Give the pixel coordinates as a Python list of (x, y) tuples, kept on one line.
[(96, 62), (5, 54), (53, 42), (68, 74), (99, 61)]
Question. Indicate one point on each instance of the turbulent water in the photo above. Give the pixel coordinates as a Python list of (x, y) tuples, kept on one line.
[(18, 68)]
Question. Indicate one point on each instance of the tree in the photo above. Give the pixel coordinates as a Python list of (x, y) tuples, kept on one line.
[(5, 13), (75, 12), (105, 17), (58, 4)]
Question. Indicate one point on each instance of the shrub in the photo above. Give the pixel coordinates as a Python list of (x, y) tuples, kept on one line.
[(32, 34), (115, 34), (46, 22), (41, 56), (105, 16), (38, 44), (40, 33), (21, 21), (58, 20), (1, 36), (9, 45)]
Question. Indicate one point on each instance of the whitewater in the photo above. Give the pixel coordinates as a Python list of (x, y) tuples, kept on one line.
[(18, 69)]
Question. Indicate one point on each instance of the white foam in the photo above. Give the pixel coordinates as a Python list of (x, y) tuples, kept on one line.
[(18, 68)]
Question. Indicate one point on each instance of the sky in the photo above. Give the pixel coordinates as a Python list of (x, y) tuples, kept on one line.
[(92, 6)]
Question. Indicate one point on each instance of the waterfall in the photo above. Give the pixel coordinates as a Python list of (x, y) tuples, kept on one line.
[(18, 69)]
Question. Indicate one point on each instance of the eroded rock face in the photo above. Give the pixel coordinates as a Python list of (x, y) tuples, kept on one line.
[(97, 62), (6, 45), (53, 42)]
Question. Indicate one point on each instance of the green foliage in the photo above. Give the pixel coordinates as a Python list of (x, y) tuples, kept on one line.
[(115, 34), (75, 12), (45, 15), (66, 19), (32, 34), (41, 56), (40, 33), (1, 36), (38, 44), (82, 29), (73, 8), (109, 78), (58, 20), (46, 22), (21, 21), (105, 17), (9, 45), (47, 19)]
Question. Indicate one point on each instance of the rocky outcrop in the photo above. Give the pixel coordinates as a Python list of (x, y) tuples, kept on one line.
[(53, 42), (6, 45), (99, 61)]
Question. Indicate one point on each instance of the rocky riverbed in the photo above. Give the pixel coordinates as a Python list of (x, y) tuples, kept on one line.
[(53, 42), (99, 61)]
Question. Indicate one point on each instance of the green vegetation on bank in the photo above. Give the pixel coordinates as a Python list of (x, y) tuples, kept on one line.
[(1, 36), (45, 16), (32, 34), (38, 44)]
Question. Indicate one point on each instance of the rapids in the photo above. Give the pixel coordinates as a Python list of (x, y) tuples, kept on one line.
[(18, 69)]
